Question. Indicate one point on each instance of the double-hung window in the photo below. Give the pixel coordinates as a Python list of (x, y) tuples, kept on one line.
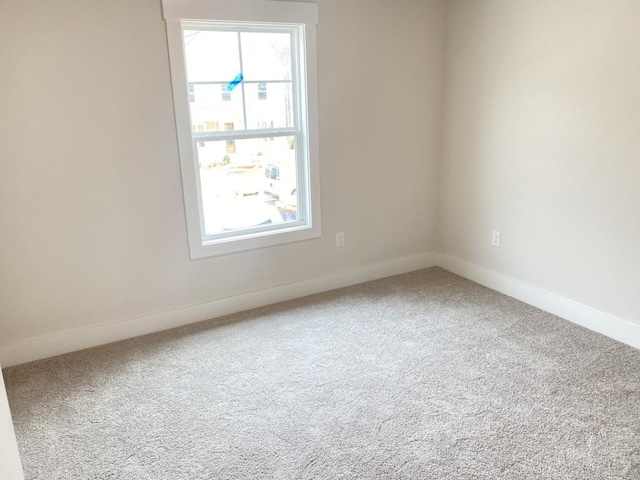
[(244, 88)]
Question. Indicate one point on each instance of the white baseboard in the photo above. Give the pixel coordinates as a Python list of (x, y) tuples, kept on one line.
[(70, 341), (613, 327), (43, 347)]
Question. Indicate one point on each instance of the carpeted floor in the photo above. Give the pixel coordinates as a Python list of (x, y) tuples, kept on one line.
[(419, 376)]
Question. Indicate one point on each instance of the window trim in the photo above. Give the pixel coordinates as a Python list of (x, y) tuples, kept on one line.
[(253, 11), (268, 11)]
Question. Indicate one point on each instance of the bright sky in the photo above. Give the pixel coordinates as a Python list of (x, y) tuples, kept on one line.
[(214, 56)]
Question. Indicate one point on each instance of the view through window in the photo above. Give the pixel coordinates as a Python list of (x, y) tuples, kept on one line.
[(246, 129)]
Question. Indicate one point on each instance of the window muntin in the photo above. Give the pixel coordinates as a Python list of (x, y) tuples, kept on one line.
[(262, 91)]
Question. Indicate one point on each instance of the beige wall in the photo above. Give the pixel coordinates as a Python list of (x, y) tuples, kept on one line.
[(542, 141), (91, 215)]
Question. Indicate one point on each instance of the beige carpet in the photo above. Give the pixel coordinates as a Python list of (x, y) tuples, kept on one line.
[(419, 376)]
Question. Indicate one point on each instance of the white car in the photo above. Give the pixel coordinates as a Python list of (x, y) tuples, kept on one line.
[(279, 179)]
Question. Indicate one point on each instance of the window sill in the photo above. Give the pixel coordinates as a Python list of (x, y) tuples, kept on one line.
[(254, 241)]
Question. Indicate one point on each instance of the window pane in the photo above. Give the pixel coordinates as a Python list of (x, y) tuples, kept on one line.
[(213, 107), (269, 105), (211, 56), (266, 56), (253, 185)]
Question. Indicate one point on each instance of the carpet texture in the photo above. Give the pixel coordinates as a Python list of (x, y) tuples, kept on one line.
[(419, 376)]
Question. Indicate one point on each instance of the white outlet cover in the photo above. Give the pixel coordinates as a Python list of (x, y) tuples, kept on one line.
[(496, 238)]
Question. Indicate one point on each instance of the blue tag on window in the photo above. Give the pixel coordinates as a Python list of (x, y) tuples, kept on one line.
[(235, 82)]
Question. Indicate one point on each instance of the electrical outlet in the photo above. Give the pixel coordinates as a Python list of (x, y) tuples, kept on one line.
[(340, 239), (495, 239)]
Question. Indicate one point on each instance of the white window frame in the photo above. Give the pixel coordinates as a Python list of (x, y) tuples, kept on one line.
[(304, 15)]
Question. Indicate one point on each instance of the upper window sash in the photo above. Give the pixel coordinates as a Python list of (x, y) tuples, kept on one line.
[(298, 80), (269, 11)]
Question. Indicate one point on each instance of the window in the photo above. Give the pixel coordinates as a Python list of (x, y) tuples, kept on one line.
[(231, 144), (231, 147), (254, 183), (226, 94), (262, 91)]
